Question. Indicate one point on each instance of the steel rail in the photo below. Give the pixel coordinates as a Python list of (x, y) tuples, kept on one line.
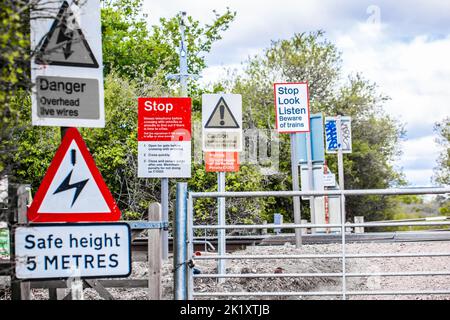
[(323, 275), (322, 256), (321, 293), (324, 225), (260, 194)]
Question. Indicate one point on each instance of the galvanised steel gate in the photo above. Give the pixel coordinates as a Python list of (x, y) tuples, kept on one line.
[(184, 238)]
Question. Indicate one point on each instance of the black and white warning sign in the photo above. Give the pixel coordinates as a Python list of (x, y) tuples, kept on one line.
[(66, 67), (222, 122), (64, 97), (221, 117), (65, 43), (73, 250)]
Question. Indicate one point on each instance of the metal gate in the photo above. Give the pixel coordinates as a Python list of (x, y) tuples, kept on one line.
[(184, 253)]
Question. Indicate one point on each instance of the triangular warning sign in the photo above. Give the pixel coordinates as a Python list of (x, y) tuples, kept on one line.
[(221, 117), (73, 189), (65, 44)]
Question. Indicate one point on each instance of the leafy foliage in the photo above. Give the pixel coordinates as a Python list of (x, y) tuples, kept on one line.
[(135, 51), (14, 70), (442, 171), (308, 57), (136, 60)]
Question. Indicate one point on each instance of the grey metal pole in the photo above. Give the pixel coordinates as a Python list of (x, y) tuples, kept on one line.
[(183, 59), (342, 197), (165, 181), (344, 279), (340, 158), (295, 187), (180, 257), (190, 252), (221, 222), (310, 178), (165, 217)]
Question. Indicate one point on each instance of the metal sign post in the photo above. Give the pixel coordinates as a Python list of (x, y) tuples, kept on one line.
[(295, 187), (310, 179), (340, 161), (180, 243), (341, 186), (182, 77), (221, 222), (292, 116), (222, 133)]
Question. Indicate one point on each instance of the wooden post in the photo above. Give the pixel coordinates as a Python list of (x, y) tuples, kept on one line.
[(264, 231), (76, 289), (23, 202), (307, 230), (154, 253), (19, 199), (359, 219)]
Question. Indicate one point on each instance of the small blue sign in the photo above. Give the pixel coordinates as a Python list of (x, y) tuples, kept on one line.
[(277, 219), (317, 143), (331, 135)]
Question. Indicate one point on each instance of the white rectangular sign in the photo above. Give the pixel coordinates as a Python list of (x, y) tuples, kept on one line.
[(73, 250), (332, 135), (291, 107), (67, 65), (329, 180), (165, 159), (222, 122)]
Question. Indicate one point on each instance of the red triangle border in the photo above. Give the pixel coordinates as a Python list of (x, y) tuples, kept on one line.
[(35, 216)]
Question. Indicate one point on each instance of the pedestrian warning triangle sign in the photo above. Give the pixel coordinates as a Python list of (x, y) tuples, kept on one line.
[(73, 189), (65, 44), (221, 117)]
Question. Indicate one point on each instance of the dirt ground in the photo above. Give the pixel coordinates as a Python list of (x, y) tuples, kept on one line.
[(329, 265)]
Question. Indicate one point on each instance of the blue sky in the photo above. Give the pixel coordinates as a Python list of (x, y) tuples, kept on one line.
[(403, 46)]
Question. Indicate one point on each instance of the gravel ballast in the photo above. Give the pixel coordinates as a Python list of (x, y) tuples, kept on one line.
[(308, 284)]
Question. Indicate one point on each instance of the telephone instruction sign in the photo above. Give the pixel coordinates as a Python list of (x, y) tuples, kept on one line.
[(164, 137)]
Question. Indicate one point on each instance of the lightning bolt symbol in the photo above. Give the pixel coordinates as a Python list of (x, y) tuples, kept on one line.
[(66, 185), (65, 35)]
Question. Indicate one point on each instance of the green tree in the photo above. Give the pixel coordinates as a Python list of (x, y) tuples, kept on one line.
[(442, 171), (136, 51), (309, 57), (14, 78), (131, 72)]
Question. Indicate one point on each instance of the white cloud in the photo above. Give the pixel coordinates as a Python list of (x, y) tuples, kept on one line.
[(403, 46), (418, 159), (415, 75)]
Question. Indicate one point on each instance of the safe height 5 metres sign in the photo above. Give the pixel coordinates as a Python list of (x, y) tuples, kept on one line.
[(70, 250)]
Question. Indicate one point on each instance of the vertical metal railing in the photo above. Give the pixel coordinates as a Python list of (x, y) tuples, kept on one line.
[(190, 242), (344, 279), (180, 243), (186, 206)]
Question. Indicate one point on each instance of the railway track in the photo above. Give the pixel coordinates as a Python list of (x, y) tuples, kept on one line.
[(237, 242), (140, 245)]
